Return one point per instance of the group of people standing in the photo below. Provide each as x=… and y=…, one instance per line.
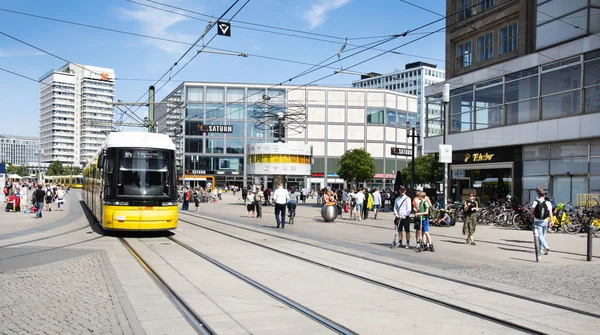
x=403, y=209
x=41, y=198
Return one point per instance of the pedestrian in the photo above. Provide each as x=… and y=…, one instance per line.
x=417, y=226
x=360, y=199
x=376, y=202
x=60, y=198
x=267, y=197
x=38, y=197
x=24, y=200
x=423, y=216
x=367, y=204
x=258, y=200
x=196, y=199
x=542, y=214
x=49, y=198
x=402, y=210
x=280, y=198
x=250, y=203
x=470, y=207
x=303, y=194
x=186, y=199
x=244, y=194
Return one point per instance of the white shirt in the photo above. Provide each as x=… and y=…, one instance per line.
x=281, y=196
x=376, y=198
x=360, y=198
x=402, y=206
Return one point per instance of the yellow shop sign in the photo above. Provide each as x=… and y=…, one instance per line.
x=479, y=157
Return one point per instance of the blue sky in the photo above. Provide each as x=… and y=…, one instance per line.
x=140, y=58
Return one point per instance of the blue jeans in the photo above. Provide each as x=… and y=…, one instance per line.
x=540, y=228
x=40, y=206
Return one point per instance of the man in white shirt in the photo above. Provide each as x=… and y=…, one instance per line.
x=402, y=210
x=376, y=201
x=360, y=198
x=280, y=198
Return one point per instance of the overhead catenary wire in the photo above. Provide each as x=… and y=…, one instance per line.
x=188, y=43
x=330, y=75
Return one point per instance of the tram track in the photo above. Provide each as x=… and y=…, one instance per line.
x=46, y=237
x=195, y=320
x=421, y=272
x=554, y=251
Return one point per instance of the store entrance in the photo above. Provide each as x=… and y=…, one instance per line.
x=491, y=182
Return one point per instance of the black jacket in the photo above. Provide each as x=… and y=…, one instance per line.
x=39, y=195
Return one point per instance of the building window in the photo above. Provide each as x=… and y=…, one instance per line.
x=561, y=88
x=592, y=82
x=375, y=116
x=484, y=47
x=508, y=39
x=468, y=8
x=463, y=55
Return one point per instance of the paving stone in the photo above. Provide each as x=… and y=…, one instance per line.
x=71, y=296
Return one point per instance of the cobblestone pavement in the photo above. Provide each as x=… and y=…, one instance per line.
x=577, y=281
x=74, y=296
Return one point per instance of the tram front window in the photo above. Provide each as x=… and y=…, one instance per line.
x=144, y=173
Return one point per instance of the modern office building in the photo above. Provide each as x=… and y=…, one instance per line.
x=528, y=118
x=338, y=119
x=412, y=80
x=19, y=150
x=76, y=111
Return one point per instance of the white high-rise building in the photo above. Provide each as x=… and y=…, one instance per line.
x=412, y=80
x=76, y=111
x=19, y=150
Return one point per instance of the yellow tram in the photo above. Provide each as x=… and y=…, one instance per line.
x=68, y=181
x=131, y=183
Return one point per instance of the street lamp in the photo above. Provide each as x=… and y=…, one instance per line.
x=445, y=101
x=413, y=133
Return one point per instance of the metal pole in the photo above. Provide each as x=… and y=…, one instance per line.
x=412, y=171
x=589, y=242
x=445, y=184
x=151, y=109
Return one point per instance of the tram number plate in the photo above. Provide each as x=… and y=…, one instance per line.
x=145, y=207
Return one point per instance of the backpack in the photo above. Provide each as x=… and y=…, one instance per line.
x=353, y=202
x=541, y=210
x=49, y=193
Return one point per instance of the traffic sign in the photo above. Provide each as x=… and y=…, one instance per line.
x=224, y=28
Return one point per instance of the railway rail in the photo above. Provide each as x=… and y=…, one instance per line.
x=433, y=275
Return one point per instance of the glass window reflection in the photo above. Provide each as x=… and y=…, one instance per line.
x=214, y=112
x=215, y=145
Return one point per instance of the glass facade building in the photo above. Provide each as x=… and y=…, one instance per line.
x=338, y=119
x=19, y=150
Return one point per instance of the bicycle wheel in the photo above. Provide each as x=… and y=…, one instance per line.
x=573, y=225
x=518, y=222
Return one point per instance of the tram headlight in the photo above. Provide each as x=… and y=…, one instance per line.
x=168, y=203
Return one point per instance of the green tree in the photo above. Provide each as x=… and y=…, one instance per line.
x=55, y=169
x=14, y=169
x=356, y=165
x=427, y=170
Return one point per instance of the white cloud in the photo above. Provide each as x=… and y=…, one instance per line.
x=158, y=23
x=317, y=13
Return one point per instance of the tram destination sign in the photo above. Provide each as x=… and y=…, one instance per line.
x=212, y=128
x=401, y=151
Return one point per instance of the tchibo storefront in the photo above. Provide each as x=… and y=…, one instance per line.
x=534, y=123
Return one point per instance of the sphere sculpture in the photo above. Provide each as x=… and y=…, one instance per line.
x=329, y=213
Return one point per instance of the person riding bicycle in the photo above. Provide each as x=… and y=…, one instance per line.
x=292, y=203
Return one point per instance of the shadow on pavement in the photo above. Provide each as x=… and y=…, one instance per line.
x=454, y=242
x=517, y=250
x=515, y=241
x=524, y=260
